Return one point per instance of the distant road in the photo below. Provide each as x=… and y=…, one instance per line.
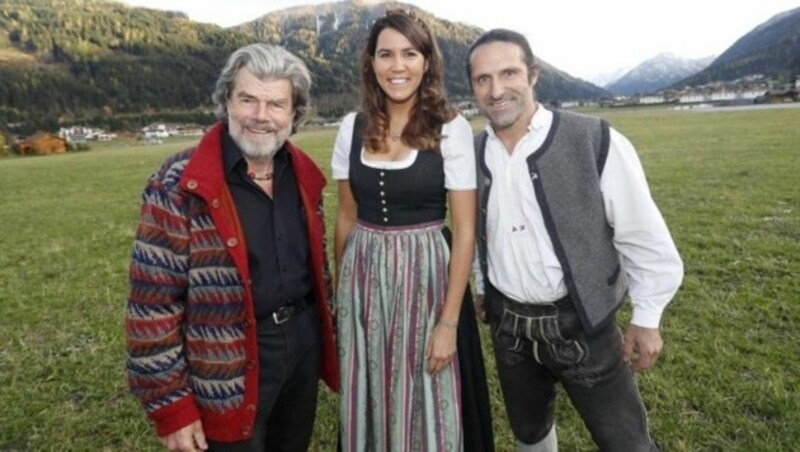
x=745, y=107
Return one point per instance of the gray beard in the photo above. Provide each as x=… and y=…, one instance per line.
x=260, y=150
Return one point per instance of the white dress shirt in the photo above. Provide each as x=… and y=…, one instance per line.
x=521, y=258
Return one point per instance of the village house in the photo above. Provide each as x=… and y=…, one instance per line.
x=752, y=93
x=82, y=134
x=158, y=130
x=190, y=130
x=166, y=130
x=652, y=99
x=722, y=95
x=467, y=108
x=692, y=97
x=779, y=96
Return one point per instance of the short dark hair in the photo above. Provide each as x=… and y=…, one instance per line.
x=511, y=37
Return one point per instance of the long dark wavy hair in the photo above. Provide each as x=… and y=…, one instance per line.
x=431, y=110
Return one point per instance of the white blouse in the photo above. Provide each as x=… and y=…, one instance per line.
x=457, y=147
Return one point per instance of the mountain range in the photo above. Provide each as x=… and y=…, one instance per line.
x=657, y=73
x=604, y=79
x=111, y=65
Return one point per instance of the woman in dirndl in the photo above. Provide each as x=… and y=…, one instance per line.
x=411, y=366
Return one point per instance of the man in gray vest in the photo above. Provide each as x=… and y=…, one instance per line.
x=566, y=229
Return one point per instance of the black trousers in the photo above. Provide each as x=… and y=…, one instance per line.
x=289, y=360
x=538, y=345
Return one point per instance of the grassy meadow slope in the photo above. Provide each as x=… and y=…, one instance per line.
x=729, y=378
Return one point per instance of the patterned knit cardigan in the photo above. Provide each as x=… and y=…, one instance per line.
x=191, y=339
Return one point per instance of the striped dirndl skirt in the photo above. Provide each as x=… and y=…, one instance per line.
x=392, y=283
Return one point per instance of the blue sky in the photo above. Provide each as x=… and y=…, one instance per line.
x=581, y=37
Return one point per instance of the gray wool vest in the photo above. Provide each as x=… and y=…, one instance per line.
x=565, y=173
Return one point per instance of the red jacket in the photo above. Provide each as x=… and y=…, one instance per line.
x=192, y=349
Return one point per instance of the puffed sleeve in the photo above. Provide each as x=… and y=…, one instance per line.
x=458, y=152
x=340, y=162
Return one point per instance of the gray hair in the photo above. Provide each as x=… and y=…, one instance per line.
x=265, y=62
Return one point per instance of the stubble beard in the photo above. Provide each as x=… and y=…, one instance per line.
x=508, y=118
x=505, y=119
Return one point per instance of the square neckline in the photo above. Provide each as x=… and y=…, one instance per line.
x=389, y=164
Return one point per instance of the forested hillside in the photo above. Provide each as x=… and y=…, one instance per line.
x=772, y=49
x=67, y=60
x=108, y=64
x=330, y=38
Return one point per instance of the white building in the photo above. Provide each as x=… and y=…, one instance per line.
x=651, y=99
x=692, y=97
x=80, y=134
x=163, y=130
x=156, y=130
x=722, y=95
x=752, y=93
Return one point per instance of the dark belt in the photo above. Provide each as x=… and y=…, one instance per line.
x=287, y=311
x=531, y=309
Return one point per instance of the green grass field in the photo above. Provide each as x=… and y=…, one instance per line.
x=729, y=378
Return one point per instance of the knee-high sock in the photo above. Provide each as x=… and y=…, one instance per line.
x=548, y=444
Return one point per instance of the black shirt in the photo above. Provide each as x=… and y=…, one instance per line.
x=274, y=230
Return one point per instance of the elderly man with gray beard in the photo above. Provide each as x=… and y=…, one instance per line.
x=228, y=324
